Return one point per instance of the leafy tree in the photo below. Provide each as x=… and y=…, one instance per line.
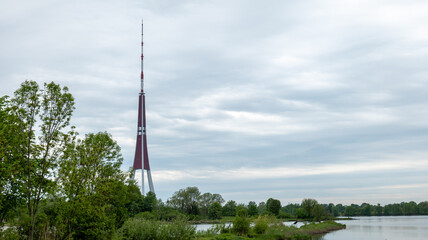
x=93, y=186
x=214, y=211
x=396, y=210
x=378, y=210
x=301, y=213
x=290, y=209
x=241, y=223
x=423, y=208
x=332, y=210
x=308, y=204
x=186, y=200
x=410, y=208
x=351, y=211
x=273, y=206
x=229, y=209
x=149, y=202
x=12, y=138
x=261, y=207
x=54, y=107
x=207, y=199
x=134, y=204
x=318, y=212
x=252, y=209
x=366, y=209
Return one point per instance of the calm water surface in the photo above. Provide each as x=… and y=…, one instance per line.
x=381, y=228
x=373, y=228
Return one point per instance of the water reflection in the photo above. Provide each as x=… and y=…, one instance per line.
x=374, y=228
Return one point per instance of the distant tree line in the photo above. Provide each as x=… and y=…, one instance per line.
x=197, y=206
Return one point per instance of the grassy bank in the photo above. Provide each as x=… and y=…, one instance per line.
x=274, y=230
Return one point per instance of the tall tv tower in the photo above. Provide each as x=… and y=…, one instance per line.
x=141, y=147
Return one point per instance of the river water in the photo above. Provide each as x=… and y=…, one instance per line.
x=374, y=228
x=381, y=228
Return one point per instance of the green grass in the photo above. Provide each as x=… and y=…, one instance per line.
x=275, y=231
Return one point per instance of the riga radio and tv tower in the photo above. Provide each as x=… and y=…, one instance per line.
x=141, y=155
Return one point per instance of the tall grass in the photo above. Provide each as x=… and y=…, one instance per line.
x=143, y=229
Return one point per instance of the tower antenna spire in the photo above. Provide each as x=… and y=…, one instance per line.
x=141, y=154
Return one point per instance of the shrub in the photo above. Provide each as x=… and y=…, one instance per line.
x=241, y=224
x=138, y=228
x=261, y=225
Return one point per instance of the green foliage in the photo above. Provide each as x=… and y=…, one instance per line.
x=308, y=205
x=229, y=209
x=228, y=236
x=91, y=180
x=300, y=236
x=149, y=202
x=10, y=234
x=206, y=200
x=186, y=200
x=252, y=209
x=318, y=212
x=260, y=225
x=12, y=138
x=54, y=107
x=137, y=228
x=241, y=224
x=290, y=209
x=283, y=215
x=301, y=213
x=214, y=211
x=261, y=207
x=273, y=206
x=351, y=211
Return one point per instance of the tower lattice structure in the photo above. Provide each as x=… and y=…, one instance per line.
x=141, y=159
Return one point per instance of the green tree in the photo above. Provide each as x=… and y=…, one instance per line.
x=252, y=209
x=410, y=208
x=261, y=207
x=12, y=138
x=301, y=213
x=214, y=211
x=241, y=223
x=308, y=204
x=423, y=208
x=93, y=187
x=291, y=209
x=54, y=107
x=332, y=210
x=186, y=200
x=229, y=209
x=318, y=212
x=206, y=200
x=351, y=211
x=149, y=202
x=273, y=206
x=366, y=209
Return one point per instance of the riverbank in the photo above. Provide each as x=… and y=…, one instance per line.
x=277, y=231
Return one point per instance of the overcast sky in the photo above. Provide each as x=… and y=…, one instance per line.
x=249, y=99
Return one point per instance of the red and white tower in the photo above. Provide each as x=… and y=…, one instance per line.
x=141, y=147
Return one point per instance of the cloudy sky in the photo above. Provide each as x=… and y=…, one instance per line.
x=249, y=99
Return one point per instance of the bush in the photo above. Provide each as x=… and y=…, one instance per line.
x=241, y=224
x=284, y=215
x=261, y=225
x=138, y=228
x=146, y=215
x=9, y=234
x=214, y=211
